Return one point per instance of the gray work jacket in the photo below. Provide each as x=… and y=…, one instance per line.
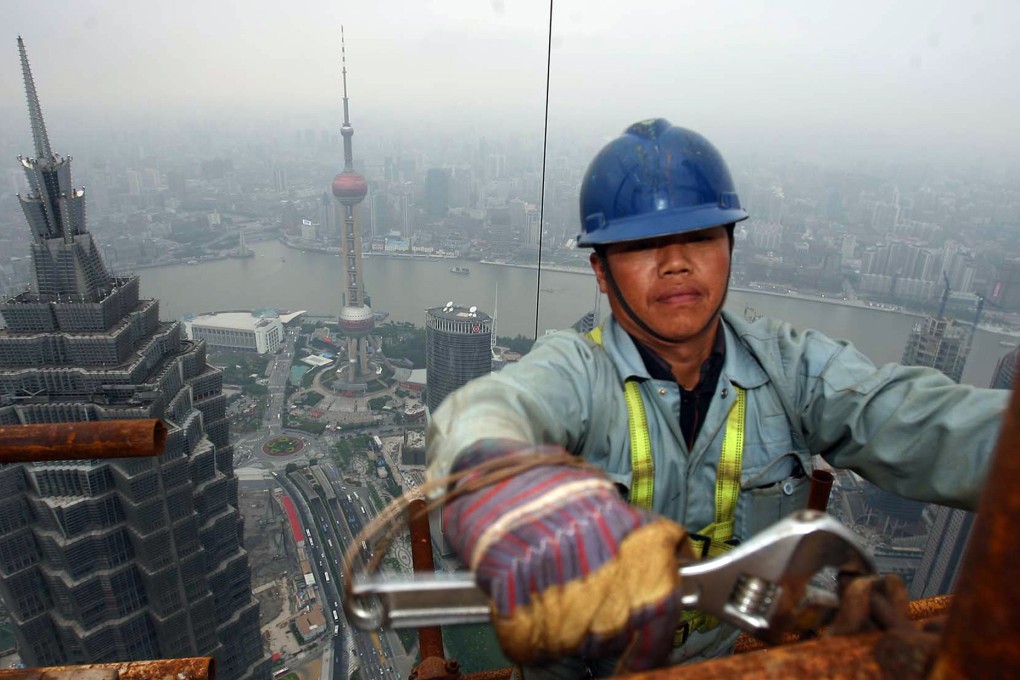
x=909, y=430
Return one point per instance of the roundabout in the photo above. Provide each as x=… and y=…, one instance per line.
x=284, y=445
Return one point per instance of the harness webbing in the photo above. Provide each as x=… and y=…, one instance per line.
x=642, y=466
x=715, y=539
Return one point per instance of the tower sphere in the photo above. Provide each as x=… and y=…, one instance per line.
x=349, y=187
x=356, y=320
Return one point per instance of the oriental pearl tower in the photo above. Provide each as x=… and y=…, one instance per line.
x=356, y=320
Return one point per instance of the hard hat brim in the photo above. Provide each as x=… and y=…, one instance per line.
x=662, y=223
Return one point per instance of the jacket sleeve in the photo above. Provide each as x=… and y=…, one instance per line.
x=908, y=429
x=546, y=398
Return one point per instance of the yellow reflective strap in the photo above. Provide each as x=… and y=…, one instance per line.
x=642, y=467
x=727, y=476
x=727, y=489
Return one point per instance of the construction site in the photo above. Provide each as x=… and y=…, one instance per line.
x=287, y=611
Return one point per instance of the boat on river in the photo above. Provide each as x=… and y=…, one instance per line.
x=460, y=270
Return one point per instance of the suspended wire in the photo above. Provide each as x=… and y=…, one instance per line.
x=545, y=150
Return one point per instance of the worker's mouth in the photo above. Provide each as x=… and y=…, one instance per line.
x=684, y=296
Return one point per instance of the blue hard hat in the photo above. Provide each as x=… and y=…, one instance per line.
x=654, y=180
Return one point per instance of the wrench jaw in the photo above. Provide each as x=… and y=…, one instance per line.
x=801, y=606
x=762, y=586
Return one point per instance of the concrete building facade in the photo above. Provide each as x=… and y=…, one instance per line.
x=242, y=331
x=458, y=348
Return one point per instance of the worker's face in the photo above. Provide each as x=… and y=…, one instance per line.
x=675, y=284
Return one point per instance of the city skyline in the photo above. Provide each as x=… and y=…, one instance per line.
x=807, y=78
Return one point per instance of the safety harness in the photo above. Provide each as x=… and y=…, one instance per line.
x=716, y=538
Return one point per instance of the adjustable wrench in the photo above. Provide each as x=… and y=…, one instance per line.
x=759, y=586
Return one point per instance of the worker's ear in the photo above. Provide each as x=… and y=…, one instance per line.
x=598, y=265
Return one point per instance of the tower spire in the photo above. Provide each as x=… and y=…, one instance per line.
x=347, y=130
x=42, y=141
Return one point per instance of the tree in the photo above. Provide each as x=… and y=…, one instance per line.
x=377, y=403
x=520, y=343
x=290, y=468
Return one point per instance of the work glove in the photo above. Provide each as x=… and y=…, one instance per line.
x=571, y=569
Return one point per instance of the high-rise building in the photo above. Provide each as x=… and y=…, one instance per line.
x=280, y=185
x=458, y=348
x=330, y=230
x=943, y=553
x=127, y=559
x=1005, y=289
x=356, y=317
x=437, y=192
x=1005, y=370
x=941, y=343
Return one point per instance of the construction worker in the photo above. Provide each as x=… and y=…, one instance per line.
x=696, y=417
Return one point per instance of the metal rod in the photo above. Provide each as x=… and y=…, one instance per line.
x=192, y=668
x=821, y=485
x=981, y=635
x=430, y=638
x=82, y=441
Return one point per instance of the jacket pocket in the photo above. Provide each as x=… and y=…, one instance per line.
x=772, y=494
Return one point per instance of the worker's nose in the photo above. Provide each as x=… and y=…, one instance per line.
x=674, y=258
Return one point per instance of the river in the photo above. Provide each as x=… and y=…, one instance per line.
x=290, y=279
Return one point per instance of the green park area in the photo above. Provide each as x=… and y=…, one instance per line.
x=283, y=446
x=345, y=450
x=239, y=368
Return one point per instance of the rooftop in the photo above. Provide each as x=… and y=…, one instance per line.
x=233, y=320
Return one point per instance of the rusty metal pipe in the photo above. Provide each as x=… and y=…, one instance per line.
x=845, y=656
x=82, y=441
x=193, y=668
x=821, y=486
x=430, y=639
x=918, y=610
x=981, y=635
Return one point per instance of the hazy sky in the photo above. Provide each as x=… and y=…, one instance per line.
x=906, y=76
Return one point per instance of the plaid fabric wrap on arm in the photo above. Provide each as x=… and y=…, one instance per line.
x=571, y=568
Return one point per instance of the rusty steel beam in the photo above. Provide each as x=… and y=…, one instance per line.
x=82, y=441
x=839, y=658
x=498, y=674
x=919, y=610
x=430, y=639
x=193, y=668
x=983, y=629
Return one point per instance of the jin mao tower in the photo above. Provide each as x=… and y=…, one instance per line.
x=114, y=559
x=356, y=319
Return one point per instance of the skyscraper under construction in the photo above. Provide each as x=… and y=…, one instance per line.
x=939, y=342
x=114, y=560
